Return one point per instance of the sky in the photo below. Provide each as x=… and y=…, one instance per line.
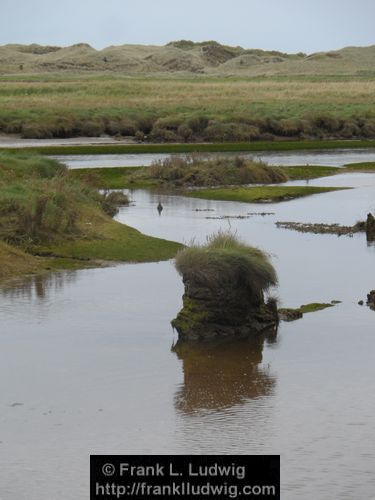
x=285, y=25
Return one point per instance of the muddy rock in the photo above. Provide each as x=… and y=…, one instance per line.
x=290, y=314
x=370, y=227
x=371, y=299
x=323, y=228
x=213, y=314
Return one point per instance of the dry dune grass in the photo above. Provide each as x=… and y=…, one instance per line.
x=156, y=93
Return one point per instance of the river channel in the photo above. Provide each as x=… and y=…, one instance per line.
x=336, y=158
x=87, y=366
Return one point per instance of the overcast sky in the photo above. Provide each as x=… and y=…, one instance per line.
x=286, y=25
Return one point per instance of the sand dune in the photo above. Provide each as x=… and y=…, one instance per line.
x=207, y=58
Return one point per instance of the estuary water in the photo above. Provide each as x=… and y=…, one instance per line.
x=337, y=158
x=87, y=363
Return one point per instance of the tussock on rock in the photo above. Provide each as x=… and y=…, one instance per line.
x=225, y=281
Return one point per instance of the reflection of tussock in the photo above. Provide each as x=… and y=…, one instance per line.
x=221, y=375
x=39, y=286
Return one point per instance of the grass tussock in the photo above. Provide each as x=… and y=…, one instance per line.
x=225, y=262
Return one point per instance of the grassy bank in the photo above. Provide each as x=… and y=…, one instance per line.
x=47, y=213
x=259, y=194
x=306, y=172
x=113, y=177
x=15, y=262
x=360, y=167
x=213, y=147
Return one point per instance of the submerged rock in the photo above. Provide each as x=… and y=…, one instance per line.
x=224, y=283
x=288, y=314
x=370, y=227
x=323, y=228
x=371, y=300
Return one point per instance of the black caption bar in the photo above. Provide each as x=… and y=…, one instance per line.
x=184, y=477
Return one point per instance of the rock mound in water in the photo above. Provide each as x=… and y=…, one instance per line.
x=370, y=227
x=225, y=281
x=371, y=300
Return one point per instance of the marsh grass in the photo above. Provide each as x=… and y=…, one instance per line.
x=187, y=109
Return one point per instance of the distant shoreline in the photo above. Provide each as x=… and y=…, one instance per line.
x=108, y=145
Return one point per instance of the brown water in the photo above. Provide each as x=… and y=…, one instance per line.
x=87, y=366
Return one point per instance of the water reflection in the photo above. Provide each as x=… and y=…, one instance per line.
x=223, y=374
x=40, y=286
